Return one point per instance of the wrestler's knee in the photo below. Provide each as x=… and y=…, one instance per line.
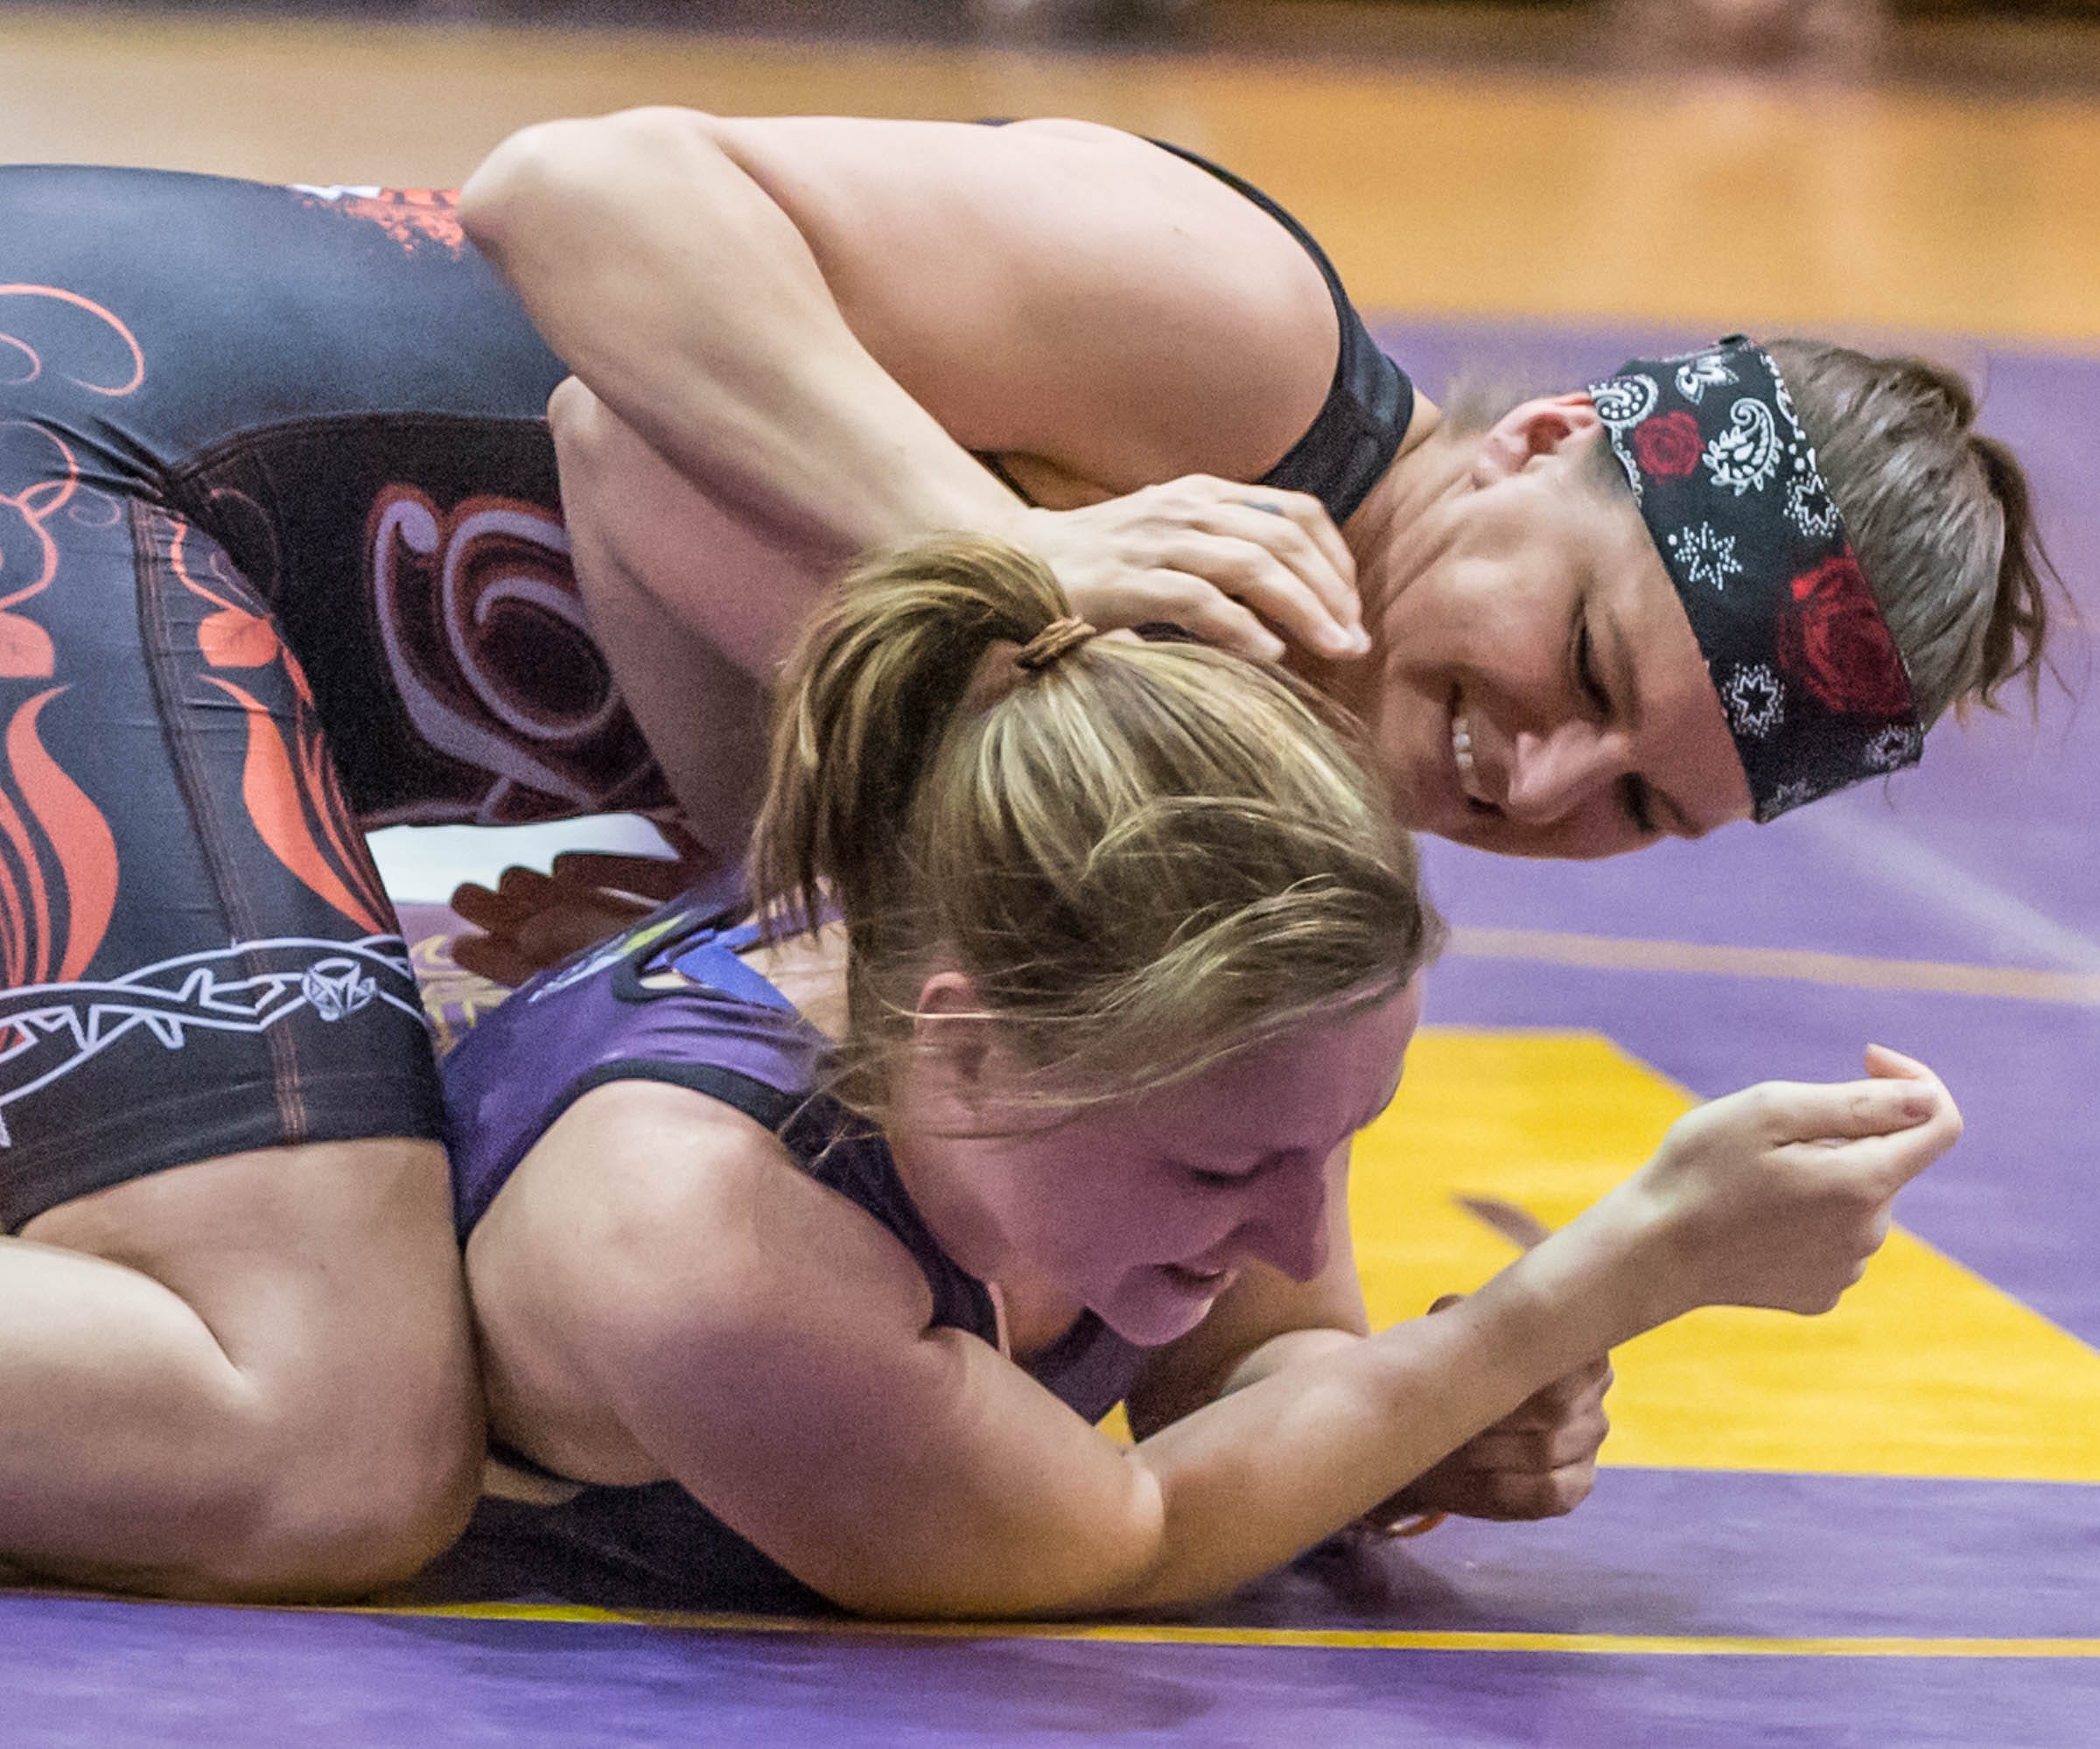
x=337, y=1506
x=347, y=1451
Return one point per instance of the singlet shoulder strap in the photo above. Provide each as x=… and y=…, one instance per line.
x=770, y=1108
x=1370, y=402
x=1361, y=425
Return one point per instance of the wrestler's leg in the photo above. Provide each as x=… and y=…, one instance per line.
x=248, y=1377
x=235, y=1359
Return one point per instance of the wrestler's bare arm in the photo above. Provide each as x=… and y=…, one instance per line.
x=1538, y=1461
x=785, y=1371
x=818, y=317
x=813, y=322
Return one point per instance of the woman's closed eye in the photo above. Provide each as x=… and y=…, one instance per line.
x=1586, y=679
x=1632, y=790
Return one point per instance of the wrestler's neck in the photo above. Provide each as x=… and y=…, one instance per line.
x=809, y=969
x=1396, y=535
x=948, y=1167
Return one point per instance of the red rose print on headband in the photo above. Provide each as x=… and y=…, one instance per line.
x=1832, y=637
x=1668, y=445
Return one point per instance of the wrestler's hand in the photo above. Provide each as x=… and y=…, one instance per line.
x=1539, y=1461
x=1778, y=1196
x=1250, y=569
x=530, y=920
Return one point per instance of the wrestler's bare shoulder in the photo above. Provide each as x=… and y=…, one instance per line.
x=1060, y=289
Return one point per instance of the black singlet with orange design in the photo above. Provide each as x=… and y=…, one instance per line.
x=280, y=557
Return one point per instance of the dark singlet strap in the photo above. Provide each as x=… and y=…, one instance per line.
x=765, y=1106
x=1371, y=401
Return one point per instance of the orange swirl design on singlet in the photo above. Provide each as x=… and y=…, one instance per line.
x=26, y=652
x=108, y=318
x=410, y=216
x=231, y=636
x=71, y=832
x=79, y=836
x=57, y=856
x=288, y=787
x=271, y=790
x=25, y=648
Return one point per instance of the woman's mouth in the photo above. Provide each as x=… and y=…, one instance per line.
x=1461, y=758
x=1197, y=1284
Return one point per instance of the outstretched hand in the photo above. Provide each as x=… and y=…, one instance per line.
x=1777, y=1196
x=1251, y=568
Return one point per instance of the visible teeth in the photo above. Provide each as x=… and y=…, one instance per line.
x=1461, y=752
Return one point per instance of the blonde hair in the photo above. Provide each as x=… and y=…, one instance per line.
x=1146, y=857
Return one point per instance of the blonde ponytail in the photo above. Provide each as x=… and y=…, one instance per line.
x=1144, y=856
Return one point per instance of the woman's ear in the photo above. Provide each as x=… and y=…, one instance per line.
x=954, y=1042
x=1536, y=428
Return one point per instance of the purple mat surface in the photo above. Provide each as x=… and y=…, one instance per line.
x=95, y=1674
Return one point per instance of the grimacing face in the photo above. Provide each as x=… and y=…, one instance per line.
x=1147, y=1209
x=1539, y=690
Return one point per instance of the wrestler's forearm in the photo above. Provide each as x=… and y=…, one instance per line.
x=668, y=280
x=1250, y=1480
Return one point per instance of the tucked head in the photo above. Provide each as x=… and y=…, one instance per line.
x=1712, y=588
x=1129, y=926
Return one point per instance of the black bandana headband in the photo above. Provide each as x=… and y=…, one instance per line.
x=1815, y=691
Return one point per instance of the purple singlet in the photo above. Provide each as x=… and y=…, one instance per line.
x=727, y=1033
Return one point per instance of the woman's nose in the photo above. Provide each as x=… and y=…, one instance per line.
x=1289, y=1231
x=1553, y=775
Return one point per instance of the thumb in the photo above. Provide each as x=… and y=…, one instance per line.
x=1889, y=1065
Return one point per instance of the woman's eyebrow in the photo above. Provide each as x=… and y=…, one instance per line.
x=1625, y=676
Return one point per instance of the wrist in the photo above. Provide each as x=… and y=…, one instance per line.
x=1601, y=1280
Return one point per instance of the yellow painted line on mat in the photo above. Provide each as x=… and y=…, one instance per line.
x=1849, y=971
x=1341, y=1639
x=1926, y=1370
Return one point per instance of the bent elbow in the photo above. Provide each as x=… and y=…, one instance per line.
x=510, y=178
x=551, y=164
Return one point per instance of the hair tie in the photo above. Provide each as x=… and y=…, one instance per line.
x=1057, y=639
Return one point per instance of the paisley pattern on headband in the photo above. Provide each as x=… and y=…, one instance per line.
x=1808, y=674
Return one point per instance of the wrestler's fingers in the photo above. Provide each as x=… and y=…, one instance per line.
x=1295, y=529
x=1311, y=516
x=578, y=921
x=1253, y=574
x=529, y=885
x=491, y=957
x=1295, y=525
x=1535, y=1452
x=1568, y=1392
x=1553, y=1493
x=1785, y=1112
x=1894, y=1066
x=1877, y=1166
x=483, y=908
x=656, y=877
x=1200, y=609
